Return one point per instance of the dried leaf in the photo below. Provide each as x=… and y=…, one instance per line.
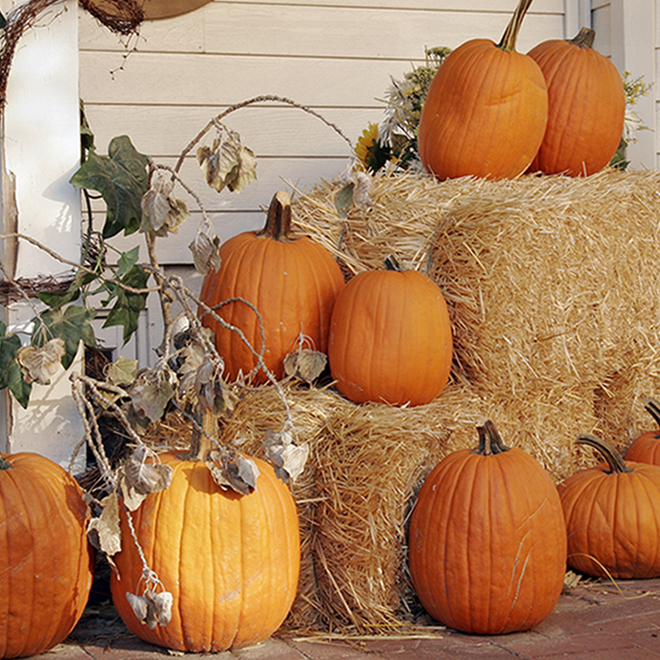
x=210, y=388
x=206, y=252
x=284, y=455
x=228, y=163
x=362, y=190
x=161, y=213
x=153, y=609
x=152, y=391
x=104, y=532
x=122, y=371
x=141, y=476
x=344, y=199
x=305, y=364
x=230, y=469
x=41, y=364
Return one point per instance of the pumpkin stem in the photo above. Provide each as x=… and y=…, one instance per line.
x=653, y=408
x=605, y=449
x=490, y=441
x=200, y=444
x=278, y=221
x=510, y=36
x=391, y=263
x=584, y=38
x=4, y=464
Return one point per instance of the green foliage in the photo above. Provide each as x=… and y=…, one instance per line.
x=11, y=375
x=128, y=304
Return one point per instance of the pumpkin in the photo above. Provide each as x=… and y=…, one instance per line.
x=612, y=516
x=291, y=281
x=586, y=106
x=390, y=337
x=486, y=542
x=646, y=447
x=486, y=110
x=46, y=564
x=231, y=561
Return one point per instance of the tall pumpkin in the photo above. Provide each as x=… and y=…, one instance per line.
x=586, y=106
x=390, y=338
x=646, y=447
x=292, y=281
x=46, y=564
x=230, y=561
x=487, y=543
x=612, y=516
x=486, y=109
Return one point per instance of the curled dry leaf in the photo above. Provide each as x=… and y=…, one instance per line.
x=284, y=455
x=40, y=364
x=152, y=391
x=122, y=371
x=227, y=163
x=104, y=532
x=153, y=609
x=206, y=252
x=143, y=474
x=210, y=389
x=230, y=469
x=161, y=213
x=305, y=364
x=362, y=190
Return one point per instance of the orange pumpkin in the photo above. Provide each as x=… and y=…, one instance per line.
x=390, y=338
x=46, y=564
x=292, y=281
x=586, y=106
x=486, y=110
x=612, y=516
x=230, y=561
x=646, y=447
x=487, y=542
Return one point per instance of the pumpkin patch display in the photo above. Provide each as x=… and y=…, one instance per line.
x=612, y=516
x=390, y=338
x=646, y=447
x=586, y=106
x=230, y=561
x=487, y=542
x=274, y=287
x=486, y=110
x=46, y=564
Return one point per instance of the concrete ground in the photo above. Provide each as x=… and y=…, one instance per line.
x=595, y=620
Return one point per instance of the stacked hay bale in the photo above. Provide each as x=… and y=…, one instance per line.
x=552, y=288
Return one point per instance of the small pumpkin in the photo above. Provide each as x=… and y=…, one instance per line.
x=612, y=516
x=231, y=561
x=487, y=542
x=46, y=563
x=586, y=106
x=646, y=447
x=486, y=110
x=390, y=337
x=291, y=281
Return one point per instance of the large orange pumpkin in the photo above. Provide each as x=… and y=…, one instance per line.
x=487, y=543
x=292, y=281
x=612, y=516
x=46, y=564
x=390, y=338
x=586, y=106
x=486, y=110
x=646, y=447
x=230, y=561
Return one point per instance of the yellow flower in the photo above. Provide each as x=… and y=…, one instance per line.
x=366, y=143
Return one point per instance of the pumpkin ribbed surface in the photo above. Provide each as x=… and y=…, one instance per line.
x=487, y=543
x=230, y=561
x=586, y=107
x=613, y=520
x=646, y=447
x=292, y=282
x=46, y=564
x=390, y=338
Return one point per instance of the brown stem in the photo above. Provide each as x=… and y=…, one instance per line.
x=584, y=38
x=200, y=445
x=653, y=408
x=4, y=464
x=278, y=222
x=490, y=441
x=605, y=449
x=510, y=36
x=391, y=263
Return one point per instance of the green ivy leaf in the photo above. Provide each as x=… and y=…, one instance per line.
x=72, y=325
x=127, y=261
x=122, y=179
x=11, y=375
x=128, y=306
